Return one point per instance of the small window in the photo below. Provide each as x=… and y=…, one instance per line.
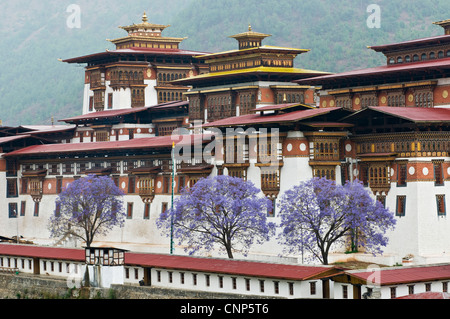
x=438, y=174
x=440, y=204
x=12, y=207
x=415, y=58
x=411, y=289
x=36, y=209
x=393, y=292
x=147, y=211
x=423, y=57
x=432, y=55
x=440, y=54
x=129, y=210
x=344, y=292
x=312, y=288
x=261, y=285
x=247, y=284
x=401, y=174
x=407, y=58
x=131, y=184
x=401, y=205
x=276, y=287
x=291, y=288
x=182, y=278
x=399, y=59
x=11, y=188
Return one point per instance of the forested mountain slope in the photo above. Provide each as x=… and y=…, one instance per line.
x=35, y=86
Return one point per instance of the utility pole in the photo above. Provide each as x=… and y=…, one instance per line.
x=173, y=181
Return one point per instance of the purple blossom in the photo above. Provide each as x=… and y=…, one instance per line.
x=318, y=214
x=88, y=207
x=222, y=210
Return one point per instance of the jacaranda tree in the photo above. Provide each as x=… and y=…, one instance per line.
x=222, y=210
x=318, y=214
x=88, y=207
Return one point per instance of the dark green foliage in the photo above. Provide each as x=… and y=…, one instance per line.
x=34, y=85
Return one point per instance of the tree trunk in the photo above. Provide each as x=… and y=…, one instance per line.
x=87, y=280
x=229, y=251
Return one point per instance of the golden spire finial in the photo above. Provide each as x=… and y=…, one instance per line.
x=144, y=18
x=249, y=27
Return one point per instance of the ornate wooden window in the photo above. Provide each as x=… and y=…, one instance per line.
x=240, y=172
x=137, y=97
x=344, y=102
x=268, y=151
x=11, y=187
x=379, y=179
x=423, y=99
x=195, y=109
x=236, y=151
x=270, y=181
x=126, y=77
x=99, y=100
x=68, y=168
x=247, y=103
x=396, y=99
x=328, y=172
x=326, y=149
x=368, y=100
x=364, y=174
x=102, y=136
x=97, y=79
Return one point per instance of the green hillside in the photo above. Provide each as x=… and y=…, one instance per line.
x=35, y=86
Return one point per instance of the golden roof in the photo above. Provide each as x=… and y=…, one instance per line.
x=250, y=34
x=145, y=25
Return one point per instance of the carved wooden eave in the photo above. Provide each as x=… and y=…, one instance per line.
x=98, y=171
x=36, y=182
x=204, y=170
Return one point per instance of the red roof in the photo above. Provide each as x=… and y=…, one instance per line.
x=233, y=267
x=137, y=143
x=427, y=295
x=405, y=275
x=121, y=112
x=278, y=107
x=7, y=139
x=393, y=69
x=441, y=39
x=42, y=252
x=104, y=114
x=226, y=266
x=275, y=118
x=144, y=51
x=416, y=114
